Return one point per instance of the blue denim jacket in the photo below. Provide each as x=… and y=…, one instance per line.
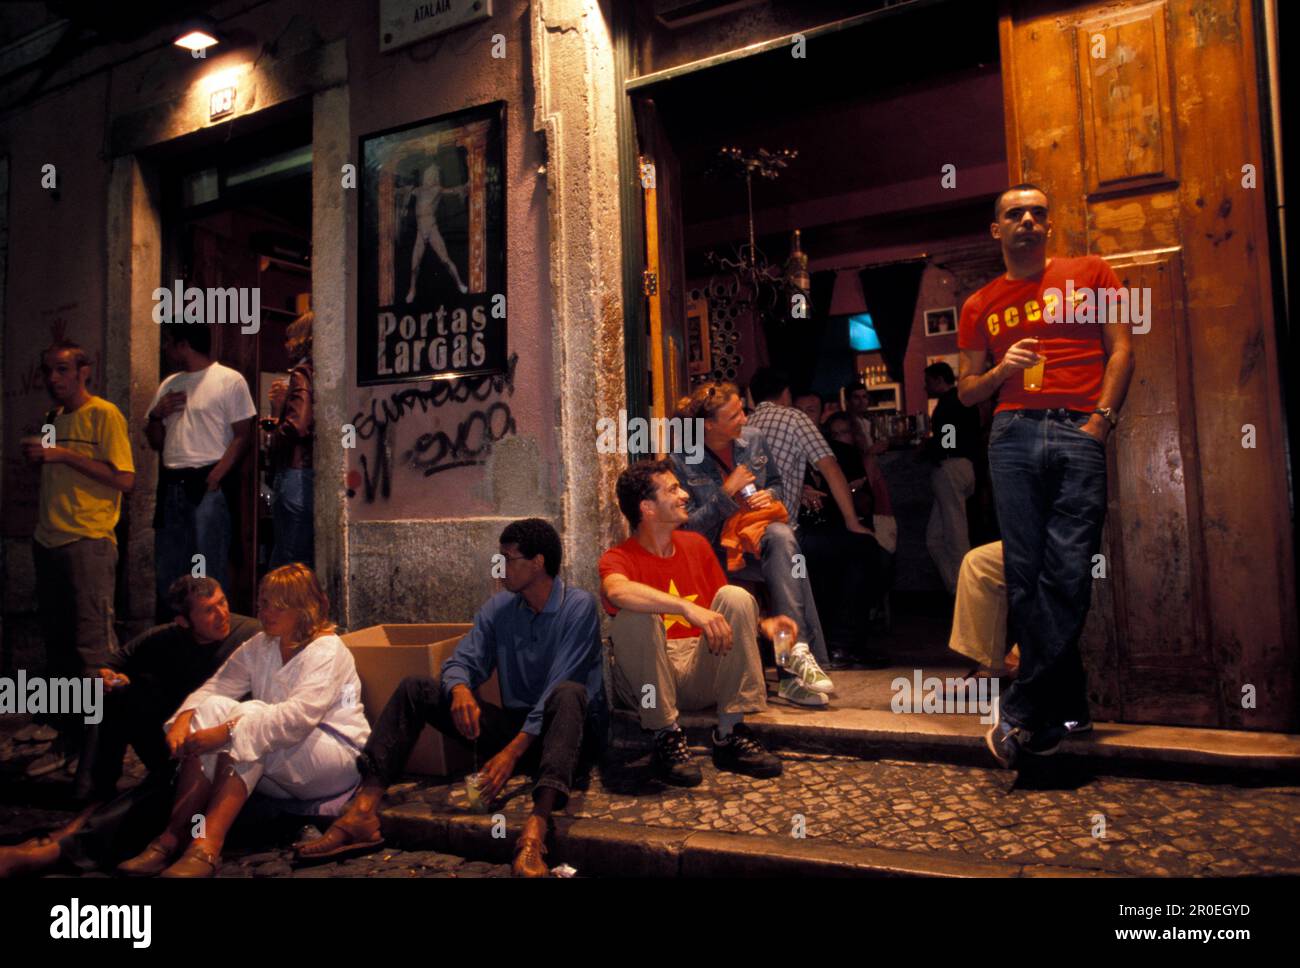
x=708, y=507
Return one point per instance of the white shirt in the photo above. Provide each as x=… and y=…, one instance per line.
x=215, y=397
x=865, y=426
x=318, y=688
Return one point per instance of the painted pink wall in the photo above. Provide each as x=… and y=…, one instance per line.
x=388, y=90
x=57, y=257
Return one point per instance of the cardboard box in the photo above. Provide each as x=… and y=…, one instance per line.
x=385, y=655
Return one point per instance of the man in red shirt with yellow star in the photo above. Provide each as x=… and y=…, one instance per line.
x=671, y=652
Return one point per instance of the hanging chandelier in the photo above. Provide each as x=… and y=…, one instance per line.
x=746, y=280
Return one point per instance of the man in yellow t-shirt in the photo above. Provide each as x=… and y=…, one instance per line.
x=85, y=470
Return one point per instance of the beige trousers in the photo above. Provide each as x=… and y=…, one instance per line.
x=946, y=535
x=659, y=677
x=979, y=618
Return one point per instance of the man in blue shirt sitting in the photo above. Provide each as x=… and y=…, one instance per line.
x=543, y=639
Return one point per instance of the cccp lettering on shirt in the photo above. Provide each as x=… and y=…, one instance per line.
x=1006, y=311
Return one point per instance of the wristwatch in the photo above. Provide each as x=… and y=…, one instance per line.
x=1109, y=414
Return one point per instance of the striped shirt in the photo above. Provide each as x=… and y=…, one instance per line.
x=794, y=442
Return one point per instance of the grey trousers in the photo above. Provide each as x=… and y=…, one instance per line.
x=660, y=677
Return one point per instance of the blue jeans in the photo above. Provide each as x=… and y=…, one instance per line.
x=292, y=511
x=791, y=596
x=185, y=530
x=1049, y=484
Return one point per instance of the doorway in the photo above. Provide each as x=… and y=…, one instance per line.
x=845, y=151
x=1166, y=640
x=237, y=213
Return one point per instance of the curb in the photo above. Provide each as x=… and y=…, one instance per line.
x=605, y=849
x=1160, y=752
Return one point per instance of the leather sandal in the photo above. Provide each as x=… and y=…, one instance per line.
x=197, y=861
x=345, y=838
x=150, y=862
x=528, y=859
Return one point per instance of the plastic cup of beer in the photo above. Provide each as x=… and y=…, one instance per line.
x=1034, y=375
x=474, y=793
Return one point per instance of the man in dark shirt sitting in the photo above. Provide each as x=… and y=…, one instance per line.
x=953, y=445
x=144, y=682
x=148, y=678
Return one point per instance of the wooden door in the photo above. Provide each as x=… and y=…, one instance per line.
x=665, y=267
x=1140, y=120
x=220, y=262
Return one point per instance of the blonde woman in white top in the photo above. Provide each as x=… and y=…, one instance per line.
x=297, y=737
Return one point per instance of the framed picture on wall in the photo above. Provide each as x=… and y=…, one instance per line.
x=432, y=249
x=941, y=322
x=698, y=355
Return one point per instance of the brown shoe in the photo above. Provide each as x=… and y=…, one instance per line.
x=349, y=836
x=530, y=848
x=150, y=862
x=197, y=861
x=31, y=856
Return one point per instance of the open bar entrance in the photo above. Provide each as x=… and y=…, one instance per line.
x=874, y=159
x=237, y=213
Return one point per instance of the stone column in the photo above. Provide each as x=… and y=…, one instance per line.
x=331, y=281
x=131, y=348
x=574, y=110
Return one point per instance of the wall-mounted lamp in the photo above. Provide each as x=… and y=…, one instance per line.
x=197, y=35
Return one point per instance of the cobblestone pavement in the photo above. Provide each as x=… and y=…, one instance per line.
x=1153, y=828
x=1146, y=827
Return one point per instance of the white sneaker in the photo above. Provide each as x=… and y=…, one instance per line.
x=805, y=668
x=791, y=690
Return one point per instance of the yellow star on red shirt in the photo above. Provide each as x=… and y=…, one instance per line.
x=671, y=620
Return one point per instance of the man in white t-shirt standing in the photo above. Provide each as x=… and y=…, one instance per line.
x=201, y=419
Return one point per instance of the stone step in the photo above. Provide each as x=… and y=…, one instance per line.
x=1165, y=752
x=598, y=848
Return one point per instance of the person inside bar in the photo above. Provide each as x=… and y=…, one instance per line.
x=953, y=447
x=290, y=452
x=542, y=636
x=851, y=573
x=296, y=738
x=201, y=423
x=841, y=552
x=739, y=476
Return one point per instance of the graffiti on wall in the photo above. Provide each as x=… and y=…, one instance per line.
x=467, y=444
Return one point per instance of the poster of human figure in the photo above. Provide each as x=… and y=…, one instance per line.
x=432, y=271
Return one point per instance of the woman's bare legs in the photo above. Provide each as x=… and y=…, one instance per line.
x=192, y=790
x=227, y=797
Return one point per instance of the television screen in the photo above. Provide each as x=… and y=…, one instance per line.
x=862, y=333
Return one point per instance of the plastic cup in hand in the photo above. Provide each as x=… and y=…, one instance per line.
x=474, y=793
x=782, y=645
x=1034, y=375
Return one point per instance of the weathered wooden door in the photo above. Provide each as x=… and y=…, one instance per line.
x=665, y=268
x=1141, y=120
